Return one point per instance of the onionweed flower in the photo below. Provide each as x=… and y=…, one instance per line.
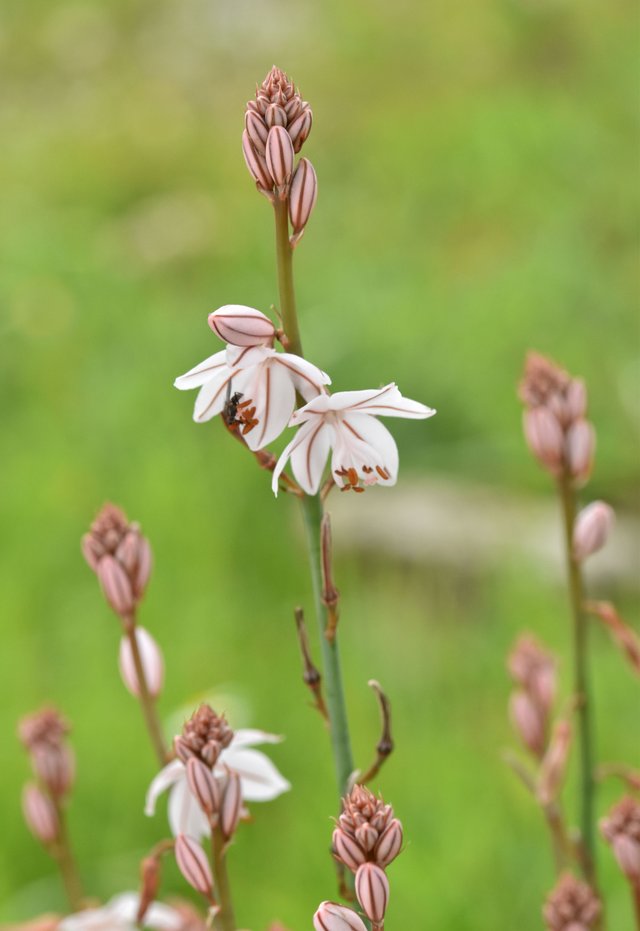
x=364, y=452
x=43, y=734
x=120, y=914
x=120, y=556
x=366, y=832
x=621, y=829
x=571, y=906
x=333, y=917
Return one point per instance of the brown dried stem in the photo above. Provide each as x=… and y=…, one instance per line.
x=624, y=636
x=385, y=745
x=330, y=594
x=311, y=675
x=65, y=859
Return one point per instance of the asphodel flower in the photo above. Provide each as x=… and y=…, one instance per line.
x=120, y=914
x=364, y=452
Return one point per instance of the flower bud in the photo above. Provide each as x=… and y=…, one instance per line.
x=40, y=814
x=576, y=400
x=151, y=659
x=275, y=116
x=193, y=864
x=242, y=326
x=333, y=917
x=115, y=585
x=621, y=828
x=592, y=529
x=581, y=442
x=300, y=128
x=528, y=721
x=256, y=164
x=372, y=890
x=554, y=763
x=279, y=154
x=366, y=835
x=231, y=805
x=256, y=130
x=149, y=885
x=571, y=906
x=203, y=785
x=303, y=194
x=54, y=767
x=544, y=437
x=389, y=844
x=347, y=850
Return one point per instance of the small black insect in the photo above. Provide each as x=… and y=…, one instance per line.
x=230, y=409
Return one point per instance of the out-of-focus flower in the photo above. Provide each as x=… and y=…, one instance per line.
x=591, y=529
x=621, y=829
x=534, y=668
x=364, y=452
x=40, y=814
x=554, y=763
x=43, y=735
x=333, y=917
x=120, y=556
x=571, y=906
x=263, y=383
x=226, y=751
x=152, y=663
x=119, y=914
x=367, y=831
x=193, y=864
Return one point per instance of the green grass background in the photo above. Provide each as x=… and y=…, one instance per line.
x=478, y=196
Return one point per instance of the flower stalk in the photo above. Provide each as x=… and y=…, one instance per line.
x=224, y=919
x=147, y=702
x=66, y=861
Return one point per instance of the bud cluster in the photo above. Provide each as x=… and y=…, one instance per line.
x=205, y=735
x=277, y=123
x=533, y=669
x=621, y=829
x=571, y=906
x=121, y=558
x=555, y=424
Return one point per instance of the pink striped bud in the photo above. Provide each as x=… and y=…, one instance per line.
x=182, y=749
x=576, y=400
x=626, y=850
x=621, y=828
x=203, y=785
x=55, y=767
x=554, y=763
x=544, y=437
x=256, y=130
x=231, y=805
x=279, y=153
x=300, y=128
x=303, y=195
x=256, y=164
x=152, y=663
x=149, y=885
x=592, y=528
x=275, y=116
x=242, y=326
x=372, y=890
x=40, y=814
x=581, y=442
x=389, y=844
x=366, y=835
x=115, y=584
x=347, y=850
x=528, y=721
x=333, y=917
x=193, y=864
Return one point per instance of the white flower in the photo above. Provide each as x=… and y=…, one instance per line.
x=364, y=452
x=119, y=914
x=262, y=381
x=260, y=781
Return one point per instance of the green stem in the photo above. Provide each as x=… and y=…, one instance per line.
x=147, y=702
x=225, y=919
x=66, y=862
x=581, y=686
x=312, y=509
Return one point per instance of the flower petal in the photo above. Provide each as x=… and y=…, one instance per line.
x=307, y=377
x=365, y=444
x=274, y=397
x=247, y=737
x=212, y=396
x=385, y=402
x=260, y=780
x=308, y=451
x=184, y=812
x=168, y=776
x=244, y=357
x=202, y=373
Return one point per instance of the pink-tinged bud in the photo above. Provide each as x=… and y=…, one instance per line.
x=54, y=767
x=366, y=836
x=152, y=663
x=149, y=885
x=275, y=116
x=203, y=785
x=534, y=668
x=528, y=721
x=40, y=814
x=92, y=551
x=621, y=828
x=347, y=850
x=242, y=326
x=256, y=164
x=571, y=906
x=389, y=844
x=554, y=763
x=576, y=400
x=627, y=852
x=279, y=153
x=115, y=585
x=544, y=437
x=333, y=917
x=193, y=864
x=182, y=749
x=300, y=128
x=581, y=443
x=592, y=528
x=140, y=577
x=256, y=130
x=231, y=805
x=303, y=194
x=372, y=890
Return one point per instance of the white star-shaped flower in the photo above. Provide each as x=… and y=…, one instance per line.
x=364, y=452
x=119, y=914
x=260, y=781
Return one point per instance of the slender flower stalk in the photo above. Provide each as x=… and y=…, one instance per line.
x=225, y=919
x=146, y=699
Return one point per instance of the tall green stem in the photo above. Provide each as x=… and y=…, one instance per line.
x=225, y=919
x=581, y=685
x=312, y=510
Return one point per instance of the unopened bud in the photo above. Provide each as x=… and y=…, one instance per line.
x=366, y=835
x=333, y=917
x=40, y=814
x=581, y=442
x=571, y=906
x=182, y=749
x=279, y=154
x=544, y=437
x=389, y=844
x=576, y=400
x=554, y=763
x=231, y=804
x=275, y=116
x=256, y=164
x=203, y=785
x=528, y=721
x=372, y=890
x=151, y=659
x=347, y=850
x=115, y=585
x=300, y=128
x=256, y=130
x=621, y=828
x=242, y=326
x=193, y=864
x=55, y=767
x=303, y=194
x=592, y=528
x=149, y=885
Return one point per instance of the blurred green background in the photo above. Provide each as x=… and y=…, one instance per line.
x=478, y=182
